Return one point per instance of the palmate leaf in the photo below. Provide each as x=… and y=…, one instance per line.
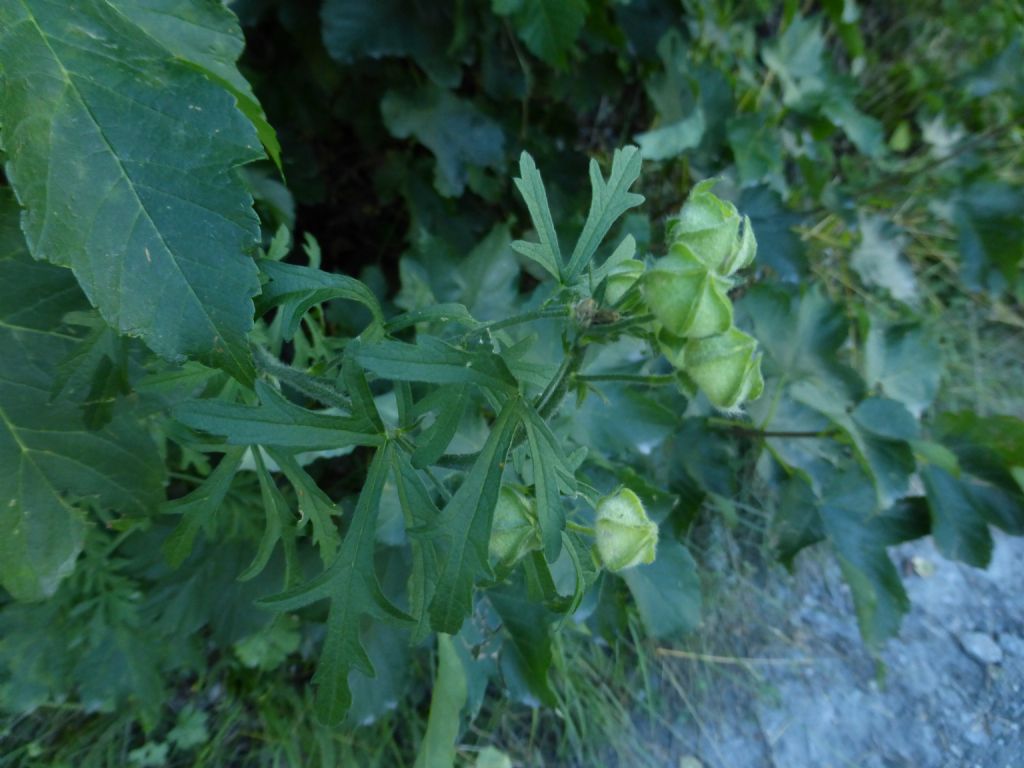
x=198, y=506
x=296, y=289
x=531, y=186
x=48, y=458
x=420, y=514
x=551, y=471
x=463, y=530
x=433, y=361
x=124, y=154
x=610, y=199
x=350, y=583
x=276, y=422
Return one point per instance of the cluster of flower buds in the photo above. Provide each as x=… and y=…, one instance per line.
x=687, y=291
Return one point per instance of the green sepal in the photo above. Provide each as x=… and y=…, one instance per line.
x=727, y=368
x=686, y=296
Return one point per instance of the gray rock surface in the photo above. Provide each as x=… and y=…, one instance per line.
x=951, y=694
x=981, y=647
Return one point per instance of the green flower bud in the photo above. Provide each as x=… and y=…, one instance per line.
x=673, y=348
x=726, y=367
x=686, y=297
x=514, y=531
x=621, y=279
x=710, y=227
x=626, y=537
x=746, y=250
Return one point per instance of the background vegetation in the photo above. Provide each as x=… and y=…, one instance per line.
x=879, y=153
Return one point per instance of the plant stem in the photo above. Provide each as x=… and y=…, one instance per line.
x=606, y=329
x=585, y=530
x=312, y=386
x=544, y=313
x=653, y=380
x=741, y=430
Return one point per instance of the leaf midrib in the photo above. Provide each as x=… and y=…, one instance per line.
x=131, y=181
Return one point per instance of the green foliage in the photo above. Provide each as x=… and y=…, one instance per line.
x=149, y=213
x=224, y=463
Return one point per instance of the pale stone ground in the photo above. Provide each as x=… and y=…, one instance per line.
x=953, y=694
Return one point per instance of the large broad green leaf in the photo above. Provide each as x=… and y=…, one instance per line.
x=463, y=530
x=904, y=362
x=859, y=537
x=548, y=27
x=352, y=587
x=667, y=592
x=779, y=247
x=528, y=623
x=991, y=235
x=879, y=431
x=809, y=83
x=800, y=334
x=668, y=141
x=757, y=148
x=449, y=696
x=459, y=134
x=124, y=156
x=422, y=30
x=879, y=261
x=990, y=452
x=49, y=460
x=205, y=35
x=958, y=522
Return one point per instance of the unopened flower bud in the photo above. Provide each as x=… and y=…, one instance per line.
x=626, y=537
x=514, y=531
x=621, y=279
x=710, y=227
x=686, y=297
x=743, y=255
x=727, y=368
